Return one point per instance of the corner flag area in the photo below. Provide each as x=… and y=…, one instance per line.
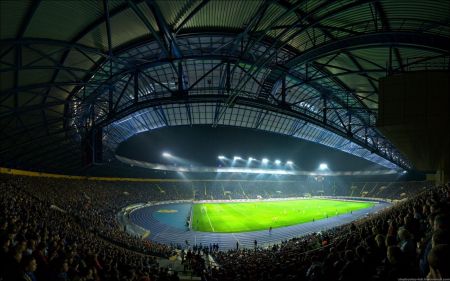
x=253, y=216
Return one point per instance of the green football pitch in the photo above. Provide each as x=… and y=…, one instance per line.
x=252, y=216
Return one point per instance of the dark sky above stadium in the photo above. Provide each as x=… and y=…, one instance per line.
x=201, y=145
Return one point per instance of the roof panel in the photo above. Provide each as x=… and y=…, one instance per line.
x=270, y=17
x=12, y=14
x=97, y=38
x=58, y=94
x=28, y=77
x=6, y=80
x=27, y=99
x=41, y=55
x=126, y=26
x=66, y=18
x=77, y=59
x=173, y=9
x=437, y=10
x=361, y=12
x=148, y=15
x=308, y=39
x=224, y=14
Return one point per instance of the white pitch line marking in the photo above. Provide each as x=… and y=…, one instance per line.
x=206, y=211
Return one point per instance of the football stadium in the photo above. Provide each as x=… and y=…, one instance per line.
x=220, y=140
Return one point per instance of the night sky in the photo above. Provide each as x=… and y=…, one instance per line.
x=200, y=145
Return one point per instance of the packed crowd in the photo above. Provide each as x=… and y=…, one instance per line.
x=408, y=240
x=64, y=229
x=50, y=235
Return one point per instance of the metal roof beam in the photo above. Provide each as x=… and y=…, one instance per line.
x=48, y=57
x=205, y=75
x=251, y=102
x=380, y=39
x=282, y=69
x=191, y=14
x=122, y=93
x=363, y=72
x=26, y=109
x=53, y=42
x=149, y=26
x=351, y=57
x=250, y=27
x=157, y=82
x=325, y=27
x=44, y=85
x=27, y=18
x=108, y=25
x=278, y=44
x=387, y=27
x=69, y=69
x=164, y=28
x=18, y=56
x=444, y=57
x=359, y=67
x=327, y=33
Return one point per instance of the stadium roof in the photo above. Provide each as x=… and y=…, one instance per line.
x=308, y=69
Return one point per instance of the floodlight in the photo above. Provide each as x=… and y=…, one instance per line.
x=289, y=162
x=254, y=171
x=237, y=158
x=250, y=159
x=221, y=157
x=277, y=162
x=323, y=166
x=166, y=154
x=265, y=160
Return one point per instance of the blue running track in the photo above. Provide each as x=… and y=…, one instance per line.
x=169, y=227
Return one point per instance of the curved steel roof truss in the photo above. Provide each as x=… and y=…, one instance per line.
x=300, y=68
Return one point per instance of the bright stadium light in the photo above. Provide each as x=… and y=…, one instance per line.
x=167, y=154
x=237, y=158
x=250, y=159
x=254, y=171
x=265, y=160
x=277, y=162
x=290, y=163
x=221, y=157
x=323, y=166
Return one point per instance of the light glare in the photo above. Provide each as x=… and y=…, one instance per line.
x=277, y=162
x=265, y=161
x=166, y=154
x=254, y=171
x=323, y=166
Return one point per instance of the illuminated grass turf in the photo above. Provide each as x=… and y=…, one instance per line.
x=252, y=216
